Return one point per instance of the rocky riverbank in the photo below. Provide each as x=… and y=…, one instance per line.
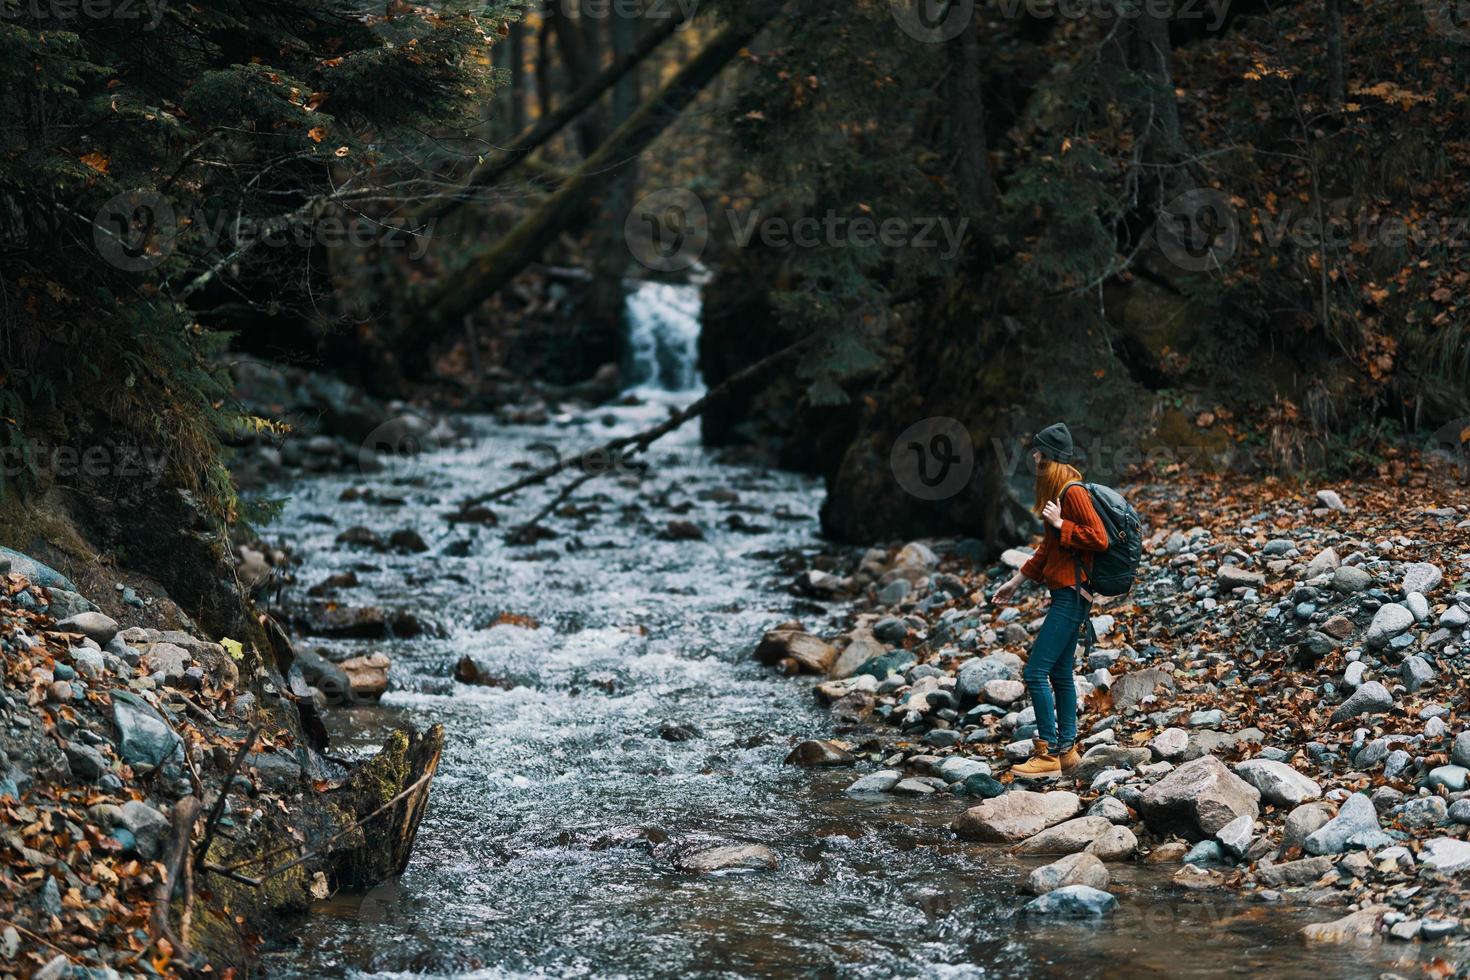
x=164, y=803
x=1278, y=708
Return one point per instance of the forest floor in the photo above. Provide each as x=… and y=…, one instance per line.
x=1279, y=706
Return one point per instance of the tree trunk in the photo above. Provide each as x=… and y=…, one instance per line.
x=491, y=268
x=516, y=97
x=543, y=69
x=977, y=189
x=574, y=59
x=1155, y=57
x=552, y=123
x=1336, y=68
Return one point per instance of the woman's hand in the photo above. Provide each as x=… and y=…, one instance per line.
x=1004, y=593
x=1052, y=514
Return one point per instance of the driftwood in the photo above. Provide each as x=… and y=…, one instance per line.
x=603, y=459
x=178, y=872
x=211, y=824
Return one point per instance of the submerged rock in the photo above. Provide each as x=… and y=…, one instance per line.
x=729, y=857
x=1080, y=901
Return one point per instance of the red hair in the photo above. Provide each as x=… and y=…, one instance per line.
x=1051, y=478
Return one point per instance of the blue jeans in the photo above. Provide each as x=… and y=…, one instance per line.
x=1049, y=669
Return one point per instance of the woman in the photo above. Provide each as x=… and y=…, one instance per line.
x=1073, y=532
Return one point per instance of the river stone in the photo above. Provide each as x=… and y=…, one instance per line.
x=957, y=767
x=895, y=592
x=1198, y=799
x=729, y=857
x=1206, y=852
x=1076, y=901
x=975, y=674
x=1356, y=926
x=915, y=554
x=367, y=676
x=1294, y=874
x=1067, y=837
x=1460, y=751
x=1016, y=815
x=1452, y=777
x=148, y=827
x=1421, y=576
x=45, y=576
x=143, y=737
x=1114, y=809
x=90, y=663
x=1114, y=844
x=1074, y=869
x=1371, y=697
x=86, y=762
x=1417, y=605
x=1130, y=689
x=858, y=651
x=1423, y=811
x=1169, y=744
x=1454, y=617
x=1330, y=500
x=814, y=753
x=1100, y=758
x=1235, y=577
x=876, y=782
x=1278, y=783
x=1355, y=826
x=1416, y=673
x=167, y=659
x=1325, y=561
x=93, y=625
x=811, y=653
x=1390, y=621
x=1206, y=741
x=1002, y=692
x=1447, y=855
x=890, y=629
x=981, y=785
x=887, y=665
x=1236, y=835
x=1350, y=578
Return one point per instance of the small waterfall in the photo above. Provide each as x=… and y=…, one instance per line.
x=662, y=323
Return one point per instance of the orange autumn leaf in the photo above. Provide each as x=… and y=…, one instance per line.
x=96, y=161
x=317, y=133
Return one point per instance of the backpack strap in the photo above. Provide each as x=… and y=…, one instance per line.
x=1077, y=558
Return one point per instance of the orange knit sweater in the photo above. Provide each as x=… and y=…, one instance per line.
x=1082, y=533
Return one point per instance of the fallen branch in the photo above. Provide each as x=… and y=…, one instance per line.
x=212, y=823
x=177, y=870
x=522, y=533
x=599, y=460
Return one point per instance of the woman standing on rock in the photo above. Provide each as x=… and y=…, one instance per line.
x=1073, y=531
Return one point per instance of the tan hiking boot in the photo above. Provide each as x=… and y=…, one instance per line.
x=1041, y=765
x=1070, y=758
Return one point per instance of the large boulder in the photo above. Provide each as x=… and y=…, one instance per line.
x=1067, y=837
x=1355, y=826
x=1130, y=689
x=1278, y=783
x=1198, y=799
x=1074, y=869
x=1016, y=816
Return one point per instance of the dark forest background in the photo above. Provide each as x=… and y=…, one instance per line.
x=1228, y=234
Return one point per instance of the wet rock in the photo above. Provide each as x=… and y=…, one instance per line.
x=359, y=536
x=1279, y=784
x=1354, y=827
x=144, y=738
x=1114, y=844
x=887, y=665
x=682, y=531
x=678, y=731
x=876, y=782
x=956, y=768
x=1370, y=698
x=729, y=857
x=811, y=653
x=407, y=540
x=1016, y=816
x=1363, y=924
x=815, y=753
x=1168, y=852
x=1133, y=687
x=93, y=625
x=1074, y=869
x=1195, y=877
x=1072, y=901
x=1206, y=852
x=1390, y=621
x=1294, y=874
x=1067, y=837
x=1198, y=799
x=86, y=762
x=367, y=676
x=323, y=675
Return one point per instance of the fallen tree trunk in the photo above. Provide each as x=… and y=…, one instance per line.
x=491, y=268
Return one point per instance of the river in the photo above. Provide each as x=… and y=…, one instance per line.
x=538, y=854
